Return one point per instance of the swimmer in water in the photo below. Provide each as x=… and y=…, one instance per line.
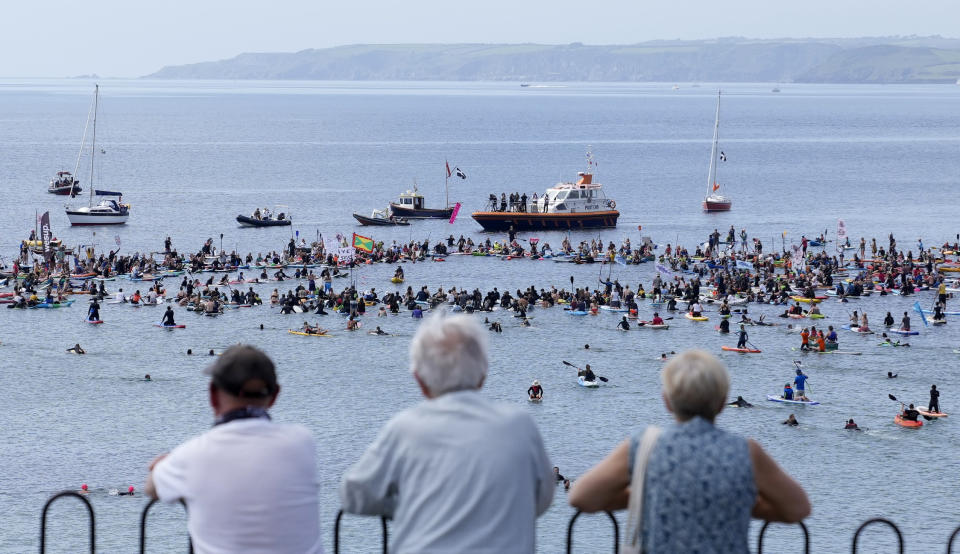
x=76, y=349
x=891, y=375
x=128, y=493
x=84, y=489
x=147, y=377
x=586, y=347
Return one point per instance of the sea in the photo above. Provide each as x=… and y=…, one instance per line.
x=189, y=156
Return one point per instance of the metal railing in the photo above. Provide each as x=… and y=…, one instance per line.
x=763, y=531
x=336, y=532
x=43, y=519
x=385, y=531
x=143, y=527
x=616, y=532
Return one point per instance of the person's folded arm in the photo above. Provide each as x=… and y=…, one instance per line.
x=606, y=486
x=367, y=487
x=779, y=496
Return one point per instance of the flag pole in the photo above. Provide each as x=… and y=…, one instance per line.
x=446, y=178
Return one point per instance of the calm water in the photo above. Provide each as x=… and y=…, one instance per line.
x=190, y=156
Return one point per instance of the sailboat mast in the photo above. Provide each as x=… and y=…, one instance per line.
x=446, y=186
x=83, y=140
x=93, y=143
x=712, y=173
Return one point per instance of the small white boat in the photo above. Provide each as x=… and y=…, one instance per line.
x=589, y=384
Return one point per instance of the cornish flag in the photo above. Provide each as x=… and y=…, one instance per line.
x=460, y=173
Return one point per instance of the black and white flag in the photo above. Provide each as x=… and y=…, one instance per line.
x=723, y=157
x=460, y=173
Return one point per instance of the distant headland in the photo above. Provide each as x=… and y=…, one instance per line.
x=910, y=59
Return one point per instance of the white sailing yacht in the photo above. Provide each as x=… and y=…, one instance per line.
x=108, y=211
x=715, y=202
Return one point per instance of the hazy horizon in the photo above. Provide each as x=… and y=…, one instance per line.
x=114, y=38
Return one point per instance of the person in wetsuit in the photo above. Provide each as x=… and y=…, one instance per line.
x=791, y=421
x=168, y=318
x=76, y=349
x=934, y=404
x=624, y=324
x=535, y=391
x=724, y=326
x=888, y=321
x=94, y=313
x=742, y=340
x=740, y=403
x=851, y=425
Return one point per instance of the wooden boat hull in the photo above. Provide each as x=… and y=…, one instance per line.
x=379, y=221
x=421, y=213
x=528, y=221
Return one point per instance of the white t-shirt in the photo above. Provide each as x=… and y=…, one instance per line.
x=250, y=486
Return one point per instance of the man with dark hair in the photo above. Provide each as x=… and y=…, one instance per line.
x=250, y=485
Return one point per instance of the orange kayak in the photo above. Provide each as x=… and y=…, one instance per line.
x=906, y=423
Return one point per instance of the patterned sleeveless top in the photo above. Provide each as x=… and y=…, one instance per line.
x=699, y=490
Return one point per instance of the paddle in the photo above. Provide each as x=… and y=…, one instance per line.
x=604, y=379
x=894, y=398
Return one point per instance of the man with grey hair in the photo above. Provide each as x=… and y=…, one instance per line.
x=456, y=472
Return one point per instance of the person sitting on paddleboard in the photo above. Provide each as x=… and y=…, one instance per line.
x=910, y=414
x=657, y=320
x=934, y=404
x=742, y=340
x=587, y=374
x=831, y=335
x=168, y=318
x=905, y=322
x=76, y=349
x=814, y=310
x=94, y=313
x=851, y=425
x=624, y=324
x=864, y=326
x=800, y=381
x=740, y=403
x=791, y=421
x=787, y=392
x=135, y=299
x=535, y=391
x=724, y=308
x=398, y=274
x=938, y=314
x=696, y=309
x=352, y=324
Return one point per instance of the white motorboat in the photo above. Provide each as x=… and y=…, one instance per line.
x=108, y=211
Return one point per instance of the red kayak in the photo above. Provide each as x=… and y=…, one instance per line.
x=906, y=423
x=741, y=350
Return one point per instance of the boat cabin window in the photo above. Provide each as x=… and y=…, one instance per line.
x=573, y=194
x=561, y=196
x=418, y=202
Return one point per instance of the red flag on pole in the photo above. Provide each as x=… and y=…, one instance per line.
x=448, y=168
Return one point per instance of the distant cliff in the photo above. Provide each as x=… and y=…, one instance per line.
x=868, y=60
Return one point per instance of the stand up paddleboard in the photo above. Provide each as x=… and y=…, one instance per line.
x=924, y=412
x=741, y=350
x=775, y=398
x=170, y=326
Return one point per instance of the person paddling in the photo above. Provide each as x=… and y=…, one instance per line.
x=742, y=340
x=740, y=403
x=535, y=392
x=934, y=404
x=800, y=382
x=587, y=374
x=910, y=414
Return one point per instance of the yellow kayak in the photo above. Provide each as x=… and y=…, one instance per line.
x=695, y=317
x=397, y=280
x=807, y=300
x=292, y=332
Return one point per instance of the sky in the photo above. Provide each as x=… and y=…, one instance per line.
x=132, y=38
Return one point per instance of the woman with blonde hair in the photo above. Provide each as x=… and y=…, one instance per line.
x=691, y=487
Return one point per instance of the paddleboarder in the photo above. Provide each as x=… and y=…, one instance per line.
x=742, y=340
x=800, y=382
x=535, y=392
x=740, y=403
x=934, y=404
x=168, y=318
